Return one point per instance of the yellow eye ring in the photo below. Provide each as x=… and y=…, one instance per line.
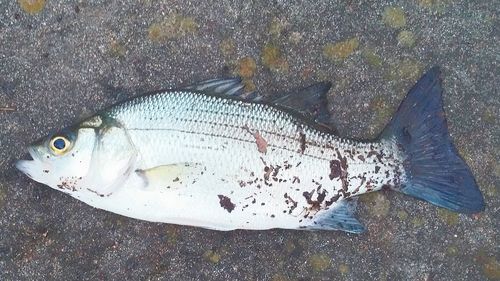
x=59, y=145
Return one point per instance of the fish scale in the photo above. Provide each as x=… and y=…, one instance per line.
x=219, y=134
x=210, y=156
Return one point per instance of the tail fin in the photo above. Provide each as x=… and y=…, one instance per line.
x=435, y=172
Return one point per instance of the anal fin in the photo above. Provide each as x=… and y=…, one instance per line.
x=341, y=217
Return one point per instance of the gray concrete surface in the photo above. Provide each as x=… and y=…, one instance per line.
x=62, y=61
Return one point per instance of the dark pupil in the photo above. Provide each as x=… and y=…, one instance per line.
x=59, y=144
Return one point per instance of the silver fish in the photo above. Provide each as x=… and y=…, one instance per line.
x=209, y=156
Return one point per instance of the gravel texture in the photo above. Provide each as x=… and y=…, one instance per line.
x=62, y=60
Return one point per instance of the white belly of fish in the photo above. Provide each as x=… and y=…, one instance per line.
x=238, y=166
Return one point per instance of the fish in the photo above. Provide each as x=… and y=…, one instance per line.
x=210, y=155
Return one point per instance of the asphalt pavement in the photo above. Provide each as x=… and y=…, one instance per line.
x=61, y=61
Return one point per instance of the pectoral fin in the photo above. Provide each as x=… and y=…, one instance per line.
x=170, y=176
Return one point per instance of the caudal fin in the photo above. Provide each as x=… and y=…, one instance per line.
x=434, y=170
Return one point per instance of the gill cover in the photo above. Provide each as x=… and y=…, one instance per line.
x=112, y=161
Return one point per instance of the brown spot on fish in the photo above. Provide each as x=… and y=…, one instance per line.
x=361, y=157
x=379, y=157
x=302, y=138
x=289, y=200
x=259, y=140
x=46, y=171
x=315, y=204
x=377, y=168
x=225, y=202
x=369, y=185
x=363, y=179
x=372, y=153
x=335, y=169
x=343, y=162
x=332, y=200
x=176, y=179
x=338, y=168
x=267, y=172
x=296, y=179
x=321, y=197
x=68, y=183
x=276, y=170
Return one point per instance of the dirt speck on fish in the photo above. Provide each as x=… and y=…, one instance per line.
x=207, y=155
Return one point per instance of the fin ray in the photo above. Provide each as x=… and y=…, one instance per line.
x=435, y=172
x=339, y=218
x=223, y=86
x=169, y=176
x=310, y=101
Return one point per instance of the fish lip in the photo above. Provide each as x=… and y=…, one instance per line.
x=34, y=154
x=23, y=165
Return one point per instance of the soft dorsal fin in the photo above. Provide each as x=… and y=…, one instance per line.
x=339, y=218
x=310, y=101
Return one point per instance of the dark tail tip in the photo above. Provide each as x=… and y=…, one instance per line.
x=434, y=170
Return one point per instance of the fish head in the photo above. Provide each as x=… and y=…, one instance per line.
x=60, y=157
x=88, y=158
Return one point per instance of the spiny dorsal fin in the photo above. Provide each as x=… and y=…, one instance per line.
x=310, y=101
x=225, y=86
x=341, y=217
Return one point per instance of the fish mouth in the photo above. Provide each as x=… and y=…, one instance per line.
x=27, y=166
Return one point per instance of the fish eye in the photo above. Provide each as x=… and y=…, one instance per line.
x=59, y=145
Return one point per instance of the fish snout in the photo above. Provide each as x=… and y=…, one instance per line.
x=25, y=166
